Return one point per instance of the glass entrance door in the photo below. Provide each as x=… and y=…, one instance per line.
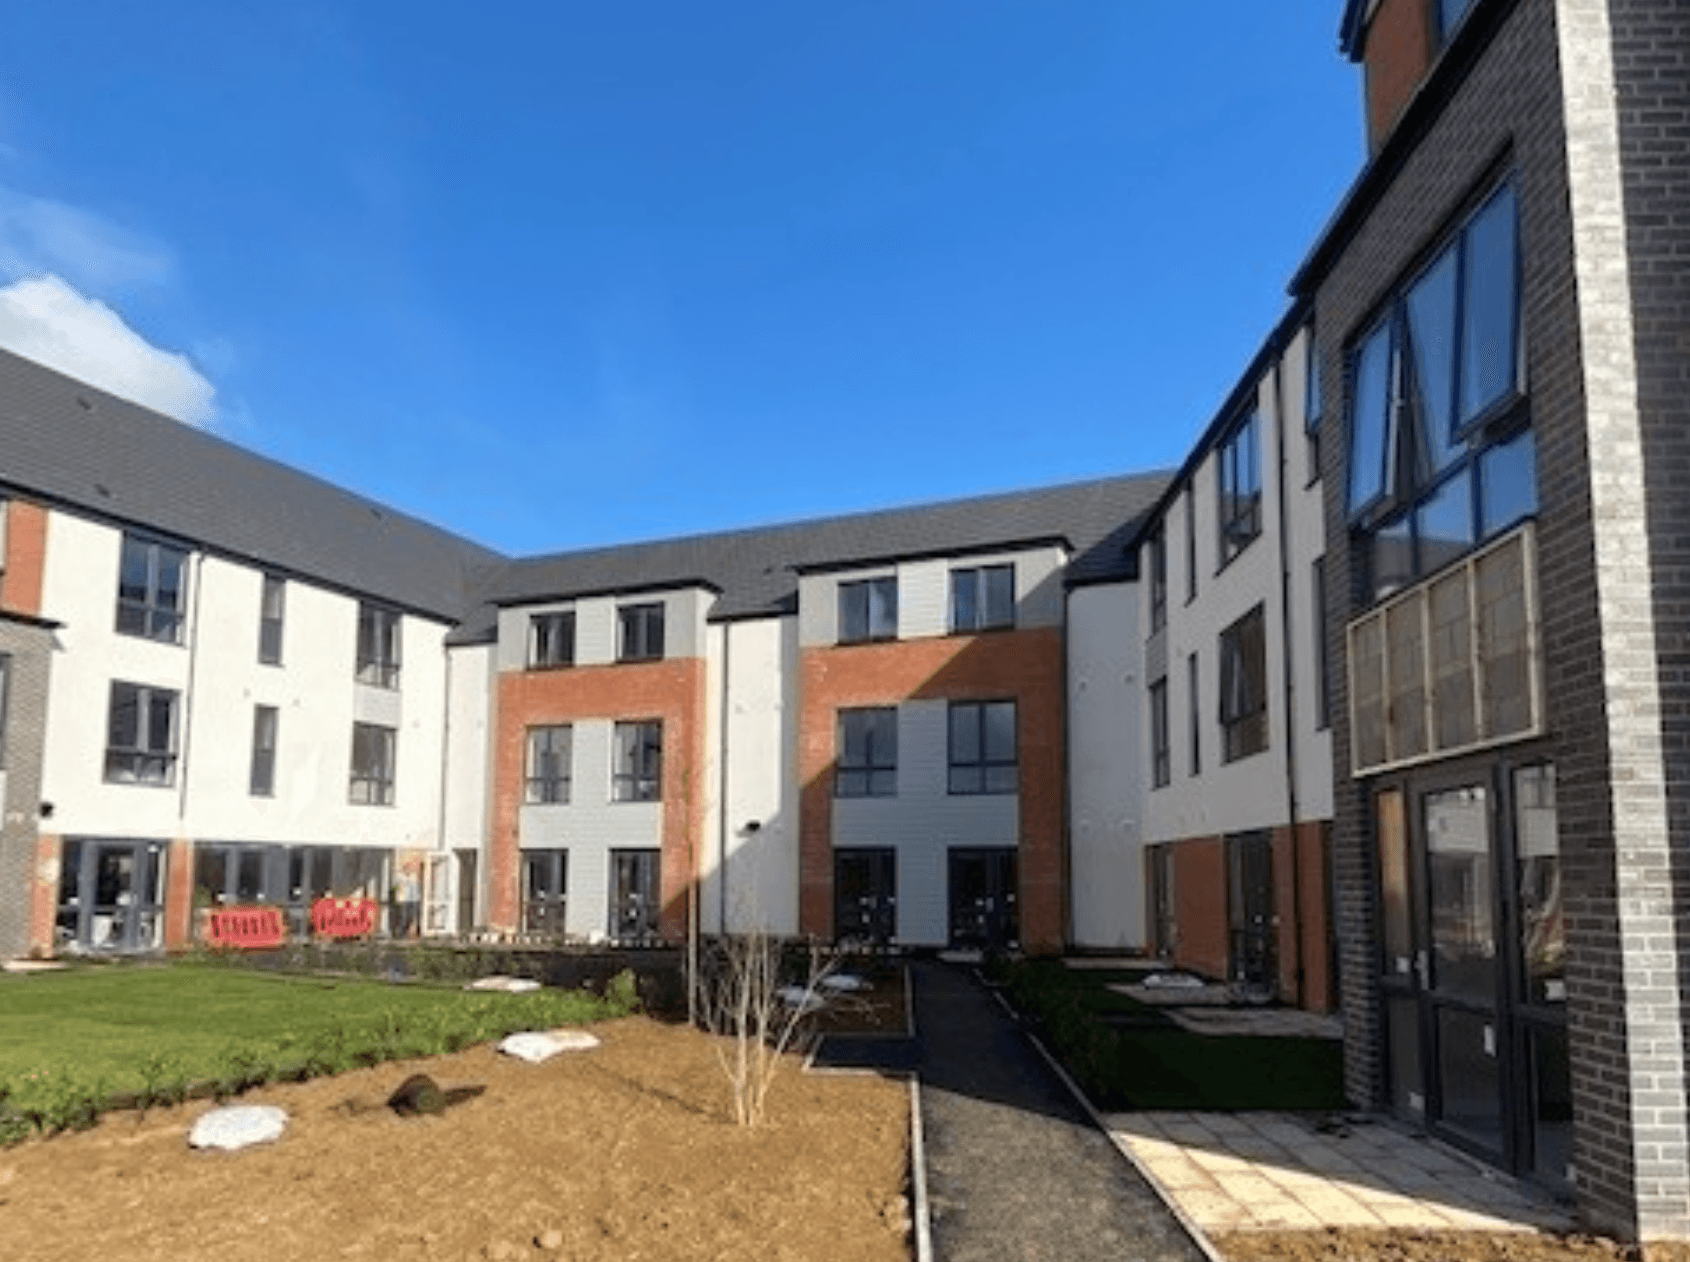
x=633, y=896
x=1250, y=913
x=865, y=893
x=111, y=896
x=983, y=898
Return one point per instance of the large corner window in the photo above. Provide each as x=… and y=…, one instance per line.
x=1450, y=665
x=982, y=598
x=1243, y=661
x=378, y=646
x=141, y=734
x=982, y=747
x=551, y=640
x=1434, y=384
x=374, y=750
x=868, y=610
x=1157, y=551
x=640, y=632
x=867, y=764
x=637, y=768
x=549, y=757
x=1239, y=486
x=152, y=589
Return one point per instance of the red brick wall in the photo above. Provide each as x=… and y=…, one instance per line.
x=672, y=691
x=26, y=557
x=1025, y=665
x=1200, y=918
x=179, y=895
x=44, y=902
x=1398, y=54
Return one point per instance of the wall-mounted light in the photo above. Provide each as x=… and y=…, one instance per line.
x=753, y=825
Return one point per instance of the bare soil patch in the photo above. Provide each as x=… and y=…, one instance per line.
x=1380, y=1245
x=622, y=1153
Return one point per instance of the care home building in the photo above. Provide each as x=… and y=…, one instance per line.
x=1379, y=701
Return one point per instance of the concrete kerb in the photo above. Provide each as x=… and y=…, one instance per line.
x=1186, y=1222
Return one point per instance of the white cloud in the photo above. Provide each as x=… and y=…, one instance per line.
x=43, y=318
x=38, y=235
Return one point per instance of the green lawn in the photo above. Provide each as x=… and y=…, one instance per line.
x=1129, y=1055
x=154, y=1031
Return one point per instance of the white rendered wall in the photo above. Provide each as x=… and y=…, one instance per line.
x=924, y=593
x=217, y=672
x=469, y=749
x=1107, y=767
x=923, y=821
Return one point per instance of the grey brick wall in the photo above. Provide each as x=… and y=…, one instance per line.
x=30, y=648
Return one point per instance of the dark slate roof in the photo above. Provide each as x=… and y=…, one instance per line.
x=77, y=446
x=756, y=571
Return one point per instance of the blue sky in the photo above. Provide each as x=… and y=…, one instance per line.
x=554, y=275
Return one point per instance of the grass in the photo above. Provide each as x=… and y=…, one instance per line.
x=1128, y=1055
x=74, y=1043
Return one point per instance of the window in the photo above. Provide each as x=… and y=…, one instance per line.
x=141, y=735
x=868, y=754
x=1450, y=13
x=549, y=753
x=641, y=632
x=152, y=589
x=271, y=604
x=262, y=783
x=982, y=599
x=1239, y=488
x=1322, y=658
x=378, y=646
x=637, y=775
x=1160, y=771
x=1158, y=564
x=1190, y=544
x=868, y=610
x=373, y=750
x=1194, y=714
x=545, y=891
x=983, y=758
x=5, y=691
x=1243, y=658
x=1433, y=375
x=551, y=640
x=1311, y=407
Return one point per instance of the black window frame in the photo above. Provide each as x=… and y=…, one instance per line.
x=140, y=761
x=1161, y=754
x=639, y=632
x=864, y=589
x=555, y=788
x=374, y=777
x=1313, y=408
x=379, y=646
x=261, y=777
x=1190, y=495
x=545, y=912
x=981, y=775
x=636, y=753
x=1243, y=711
x=1194, y=712
x=551, y=640
x=986, y=610
x=145, y=616
x=272, y=619
x=875, y=773
x=1157, y=554
x=1238, y=486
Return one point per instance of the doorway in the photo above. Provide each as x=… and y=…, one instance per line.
x=633, y=897
x=1252, y=926
x=111, y=896
x=983, y=913
x=865, y=895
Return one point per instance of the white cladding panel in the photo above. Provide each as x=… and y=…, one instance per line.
x=924, y=821
x=469, y=750
x=1107, y=766
x=759, y=756
x=596, y=623
x=220, y=681
x=924, y=593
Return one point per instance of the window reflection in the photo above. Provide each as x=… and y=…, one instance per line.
x=1458, y=845
x=1543, y=942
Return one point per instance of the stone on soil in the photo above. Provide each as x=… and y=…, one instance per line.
x=238, y=1126
x=537, y=1046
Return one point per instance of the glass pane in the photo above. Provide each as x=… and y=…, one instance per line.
x=161, y=709
x=133, y=571
x=1406, y=653
x=853, y=611
x=1002, y=779
x=965, y=734
x=1395, y=900
x=1458, y=845
x=1000, y=731
x=1508, y=483
x=1370, y=419
x=1452, y=663
x=124, y=731
x=1446, y=524
x=1504, y=642
x=963, y=613
x=1552, y=1104
x=850, y=784
x=883, y=741
x=170, y=566
x=1431, y=323
x=210, y=875
x=965, y=779
x=249, y=876
x=853, y=740
x=1368, y=697
x=1543, y=945
x=1000, y=596
x=1467, y=1073
x=1393, y=558
x=883, y=608
x=883, y=783
x=1402, y=1018
x=1490, y=328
